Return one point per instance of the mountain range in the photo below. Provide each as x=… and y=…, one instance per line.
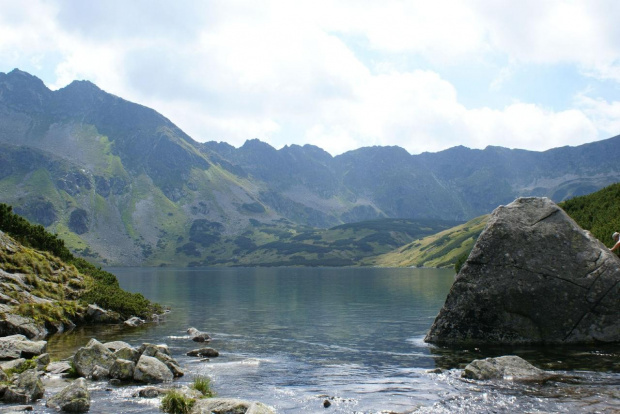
x=123, y=185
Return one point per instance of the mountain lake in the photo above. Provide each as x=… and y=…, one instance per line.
x=295, y=337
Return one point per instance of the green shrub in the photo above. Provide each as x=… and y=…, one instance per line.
x=175, y=402
x=203, y=385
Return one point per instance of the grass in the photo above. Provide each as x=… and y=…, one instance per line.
x=203, y=385
x=175, y=402
x=29, y=364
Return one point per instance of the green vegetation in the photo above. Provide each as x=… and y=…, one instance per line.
x=96, y=286
x=203, y=385
x=29, y=364
x=175, y=402
x=598, y=212
x=443, y=249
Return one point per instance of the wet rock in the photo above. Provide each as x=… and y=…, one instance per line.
x=74, y=398
x=533, y=277
x=151, y=370
x=203, y=352
x=91, y=355
x=504, y=367
x=122, y=369
x=134, y=321
x=326, y=404
x=229, y=405
x=16, y=324
x=150, y=392
x=27, y=388
x=198, y=336
x=17, y=409
x=19, y=346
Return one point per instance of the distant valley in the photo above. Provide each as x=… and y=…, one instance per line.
x=122, y=185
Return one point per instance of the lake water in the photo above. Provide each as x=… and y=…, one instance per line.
x=293, y=337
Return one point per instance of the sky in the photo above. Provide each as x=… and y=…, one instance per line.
x=423, y=75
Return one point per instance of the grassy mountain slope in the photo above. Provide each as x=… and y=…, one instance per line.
x=42, y=280
x=437, y=250
x=598, y=212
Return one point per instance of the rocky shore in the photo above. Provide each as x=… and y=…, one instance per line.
x=26, y=371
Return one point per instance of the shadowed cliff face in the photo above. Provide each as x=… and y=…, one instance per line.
x=533, y=277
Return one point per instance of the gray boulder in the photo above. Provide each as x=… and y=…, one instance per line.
x=504, y=367
x=198, y=336
x=19, y=346
x=60, y=367
x=171, y=363
x=229, y=405
x=99, y=373
x=151, y=392
x=122, y=369
x=91, y=355
x=74, y=398
x=116, y=345
x=27, y=388
x=151, y=370
x=11, y=323
x=533, y=277
x=13, y=364
x=130, y=354
x=151, y=349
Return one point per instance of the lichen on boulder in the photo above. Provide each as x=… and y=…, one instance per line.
x=533, y=277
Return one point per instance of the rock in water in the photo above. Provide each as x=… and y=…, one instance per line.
x=74, y=398
x=229, y=405
x=505, y=367
x=27, y=388
x=533, y=277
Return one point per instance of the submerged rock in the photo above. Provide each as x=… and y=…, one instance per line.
x=74, y=398
x=533, y=277
x=229, y=405
x=504, y=367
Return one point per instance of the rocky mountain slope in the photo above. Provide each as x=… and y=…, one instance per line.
x=121, y=184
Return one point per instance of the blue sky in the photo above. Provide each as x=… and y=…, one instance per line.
x=533, y=74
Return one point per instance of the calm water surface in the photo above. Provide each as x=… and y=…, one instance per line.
x=293, y=337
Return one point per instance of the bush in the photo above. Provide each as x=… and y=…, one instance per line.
x=175, y=402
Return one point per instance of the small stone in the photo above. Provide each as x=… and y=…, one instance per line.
x=326, y=404
x=203, y=352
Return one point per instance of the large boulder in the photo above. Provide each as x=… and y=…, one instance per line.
x=92, y=355
x=11, y=323
x=151, y=370
x=27, y=388
x=229, y=405
x=533, y=277
x=74, y=398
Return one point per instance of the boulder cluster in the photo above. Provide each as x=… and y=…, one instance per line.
x=24, y=364
x=118, y=360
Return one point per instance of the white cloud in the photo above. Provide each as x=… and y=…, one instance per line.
x=326, y=72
